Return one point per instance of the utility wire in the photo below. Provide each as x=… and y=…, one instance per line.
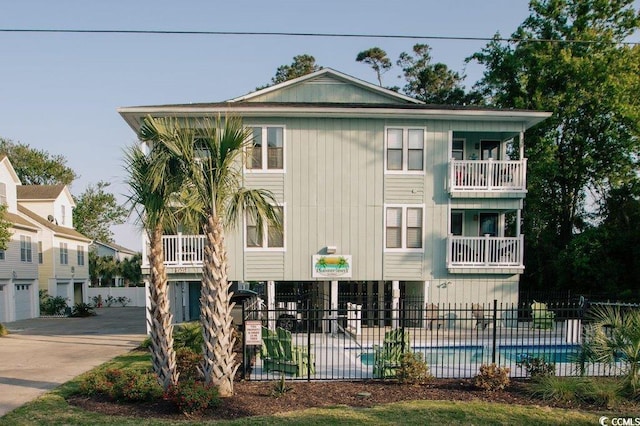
x=293, y=34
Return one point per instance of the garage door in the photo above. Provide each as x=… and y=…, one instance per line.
x=23, y=301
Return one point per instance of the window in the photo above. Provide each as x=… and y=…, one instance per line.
x=267, y=149
x=2, y=255
x=64, y=254
x=40, y=255
x=456, y=223
x=403, y=227
x=64, y=215
x=80, y=256
x=25, y=248
x=269, y=236
x=404, y=150
x=457, y=149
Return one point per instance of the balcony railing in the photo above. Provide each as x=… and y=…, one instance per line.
x=487, y=175
x=485, y=252
x=180, y=250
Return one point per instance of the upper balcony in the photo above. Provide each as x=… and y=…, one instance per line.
x=180, y=251
x=498, y=177
x=486, y=254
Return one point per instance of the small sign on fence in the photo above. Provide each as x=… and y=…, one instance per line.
x=253, y=333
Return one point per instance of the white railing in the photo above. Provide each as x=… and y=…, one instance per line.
x=485, y=252
x=487, y=175
x=179, y=250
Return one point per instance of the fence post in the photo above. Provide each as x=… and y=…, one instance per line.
x=309, y=340
x=495, y=331
x=244, y=346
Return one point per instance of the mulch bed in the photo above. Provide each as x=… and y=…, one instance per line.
x=256, y=398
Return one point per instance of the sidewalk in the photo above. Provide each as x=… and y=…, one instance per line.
x=42, y=353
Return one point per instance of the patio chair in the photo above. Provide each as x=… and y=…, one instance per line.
x=542, y=317
x=477, y=312
x=279, y=353
x=388, y=357
x=432, y=315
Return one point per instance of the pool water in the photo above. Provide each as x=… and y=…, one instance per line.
x=440, y=355
x=550, y=353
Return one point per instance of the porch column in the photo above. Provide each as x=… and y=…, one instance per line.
x=521, y=146
x=395, y=304
x=271, y=305
x=147, y=304
x=334, y=307
x=381, y=303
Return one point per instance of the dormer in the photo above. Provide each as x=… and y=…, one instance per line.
x=52, y=202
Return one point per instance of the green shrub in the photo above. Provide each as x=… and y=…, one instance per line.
x=280, y=387
x=52, y=305
x=188, y=364
x=603, y=392
x=537, y=367
x=413, y=368
x=491, y=377
x=192, y=397
x=188, y=335
x=559, y=389
x=3, y=330
x=82, y=310
x=122, y=385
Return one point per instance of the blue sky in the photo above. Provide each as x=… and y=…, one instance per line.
x=59, y=92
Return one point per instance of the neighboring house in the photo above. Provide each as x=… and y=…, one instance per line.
x=62, y=252
x=18, y=263
x=383, y=198
x=115, y=251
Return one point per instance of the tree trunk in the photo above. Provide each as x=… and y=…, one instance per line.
x=160, y=323
x=215, y=312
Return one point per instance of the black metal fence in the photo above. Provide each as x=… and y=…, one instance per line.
x=308, y=342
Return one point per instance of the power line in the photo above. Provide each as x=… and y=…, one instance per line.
x=295, y=34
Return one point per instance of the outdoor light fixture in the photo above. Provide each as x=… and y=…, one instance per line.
x=331, y=249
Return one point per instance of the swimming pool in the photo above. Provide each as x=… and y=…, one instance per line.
x=439, y=355
x=550, y=353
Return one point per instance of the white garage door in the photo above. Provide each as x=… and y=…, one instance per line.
x=23, y=301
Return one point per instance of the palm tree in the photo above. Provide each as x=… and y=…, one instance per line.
x=152, y=181
x=614, y=337
x=211, y=153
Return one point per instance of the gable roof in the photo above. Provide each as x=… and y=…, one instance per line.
x=115, y=247
x=39, y=192
x=43, y=193
x=57, y=230
x=7, y=163
x=19, y=222
x=349, y=99
x=329, y=76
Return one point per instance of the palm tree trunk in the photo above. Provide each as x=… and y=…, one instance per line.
x=220, y=365
x=160, y=323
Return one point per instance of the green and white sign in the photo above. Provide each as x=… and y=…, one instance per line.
x=331, y=266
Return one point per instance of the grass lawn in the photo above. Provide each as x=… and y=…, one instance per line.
x=52, y=409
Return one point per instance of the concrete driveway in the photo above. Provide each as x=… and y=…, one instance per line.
x=42, y=353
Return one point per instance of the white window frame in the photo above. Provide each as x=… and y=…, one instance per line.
x=405, y=150
x=64, y=253
x=26, y=249
x=80, y=255
x=265, y=150
x=265, y=234
x=464, y=147
x=3, y=194
x=403, y=239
